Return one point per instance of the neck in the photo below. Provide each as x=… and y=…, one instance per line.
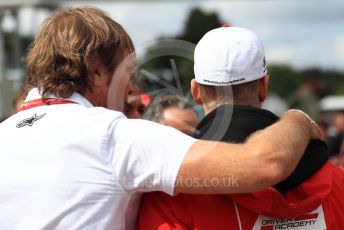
x=209, y=107
x=90, y=98
x=94, y=99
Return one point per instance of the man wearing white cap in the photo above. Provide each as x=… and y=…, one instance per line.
x=231, y=81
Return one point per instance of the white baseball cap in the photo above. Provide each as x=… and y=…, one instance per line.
x=229, y=56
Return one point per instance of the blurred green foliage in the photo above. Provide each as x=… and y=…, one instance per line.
x=197, y=24
x=283, y=80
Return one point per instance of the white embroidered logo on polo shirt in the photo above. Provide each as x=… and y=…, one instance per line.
x=314, y=220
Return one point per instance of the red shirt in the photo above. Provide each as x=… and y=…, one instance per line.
x=300, y=208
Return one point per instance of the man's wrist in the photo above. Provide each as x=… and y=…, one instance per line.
x=301, y=119
x=305, y=121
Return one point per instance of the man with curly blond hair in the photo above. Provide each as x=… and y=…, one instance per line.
x=69, y=158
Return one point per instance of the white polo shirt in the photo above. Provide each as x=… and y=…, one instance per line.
x=75, y=166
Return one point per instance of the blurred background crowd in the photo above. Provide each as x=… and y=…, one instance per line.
x=304, y=42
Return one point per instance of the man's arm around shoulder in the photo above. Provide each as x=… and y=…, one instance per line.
x=265, y=159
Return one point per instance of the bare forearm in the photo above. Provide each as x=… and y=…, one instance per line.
x=281, y=146
x=214, y=167
x=265, y=159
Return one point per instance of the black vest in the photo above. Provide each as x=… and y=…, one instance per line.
x=234, y=123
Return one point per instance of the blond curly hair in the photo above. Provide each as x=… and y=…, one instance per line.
x=58, y=60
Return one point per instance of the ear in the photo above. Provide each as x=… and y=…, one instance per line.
x=97, y=74
x=263, y=88
x=195, y=92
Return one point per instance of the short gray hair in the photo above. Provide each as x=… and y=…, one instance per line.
x=156, y=109
x=234, y=94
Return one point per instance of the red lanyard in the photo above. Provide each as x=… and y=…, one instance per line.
x=44, y=101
